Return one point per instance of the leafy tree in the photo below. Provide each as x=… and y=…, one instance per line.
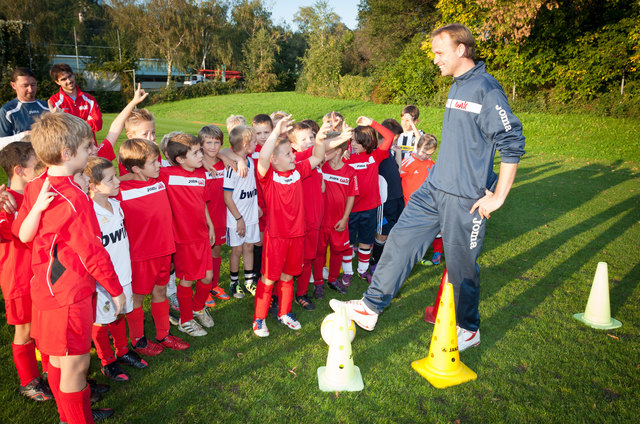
x=259, y=60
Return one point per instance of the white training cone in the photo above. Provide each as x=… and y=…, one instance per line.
x=340, y=374
x=598, y=311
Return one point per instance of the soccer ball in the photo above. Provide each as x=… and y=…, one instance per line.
x=326, y=329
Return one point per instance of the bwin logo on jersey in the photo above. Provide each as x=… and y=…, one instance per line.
x=114, y=237
x=504, y=118
x=473, y=241
x=248, y=194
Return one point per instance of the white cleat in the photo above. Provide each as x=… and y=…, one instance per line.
x=467, y=339
x=358, y=312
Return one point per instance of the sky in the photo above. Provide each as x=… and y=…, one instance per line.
x=284, y=10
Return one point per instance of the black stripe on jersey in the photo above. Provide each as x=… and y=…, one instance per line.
x=57, y=269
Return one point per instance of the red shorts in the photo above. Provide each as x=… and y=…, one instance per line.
x=282, y=255
x=192, y=260
x=337, y=240
x=147, y=274
x=221, y=236
x=18, y=310
x=311, y=243
x=66, y=330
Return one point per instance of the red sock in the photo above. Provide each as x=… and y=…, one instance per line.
x=77, y=406
x=100, y=337
x=160, y=314
x=24, y=356
x=44, y=362
x=262, y=300
x=285, y=297
x=335, y=261
x=302, y=285
x=135, y=319
x=54, y=384
x=318, y=264
x=437, y=245
x=202, y=292
x=185, y=301
x=216, y=272
x=118, y=330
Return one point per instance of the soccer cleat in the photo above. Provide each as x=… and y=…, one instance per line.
x=366, y=276
x=235, y=290
x=273, y=305
x=173, y=302
x=97, y=387
x=318, y=291
x=101, y=414
x=114, y=372
x=467, y=339
x=145, y=347
x=173, y=342
x=250, y=287
x=174, y=320
x=305, y=302
x=337, y=286
x=325, y=272
x=131, y=358
x=436, y=258
x=290, y=321
x=36, y=390
x=346, y=279
x=358, y=312
x=192, y=328
x=220, y=293
x=210, y=302
x=260, y=328
x=95, y=397
x=203, y=318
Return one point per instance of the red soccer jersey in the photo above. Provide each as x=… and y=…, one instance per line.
x=312, y=189
x=216, y=205
x=84, y=106
x=283, y=196
x=106, y=150
x=15, y=256
x=413, y=172
x=366, y=167
x=188, y=197
x=67, y=252
x=339, y=184
x=147, y=219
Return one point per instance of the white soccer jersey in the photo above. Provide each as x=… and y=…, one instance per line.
x=407, y=143
x=244, y=195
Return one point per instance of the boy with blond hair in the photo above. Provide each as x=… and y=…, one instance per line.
x=235, y=120
x=68, y=234
x=149, y=227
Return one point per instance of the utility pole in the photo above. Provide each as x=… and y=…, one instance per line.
x=119, y=49
x=75, y=41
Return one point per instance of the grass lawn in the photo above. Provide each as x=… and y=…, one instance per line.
x=576, y=201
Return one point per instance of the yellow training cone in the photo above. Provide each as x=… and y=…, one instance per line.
x=340, y=374
x=598, y=311
x=442, y=368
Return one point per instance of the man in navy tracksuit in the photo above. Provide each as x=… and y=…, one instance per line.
x=460, y=193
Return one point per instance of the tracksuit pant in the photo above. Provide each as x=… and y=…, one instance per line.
x=428, y=212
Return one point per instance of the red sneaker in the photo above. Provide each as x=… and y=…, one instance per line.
x=210, y=302
x=173, y=342
x=145, y=347
x=220, y=293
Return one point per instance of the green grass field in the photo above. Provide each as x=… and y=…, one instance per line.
x=575, y=202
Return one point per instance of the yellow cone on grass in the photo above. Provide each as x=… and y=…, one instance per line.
x=598, y=311
x=340, y=374
x=442, y=368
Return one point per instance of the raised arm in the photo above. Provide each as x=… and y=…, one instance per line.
x=319, y=148
x=264, y=159
x=118, y=124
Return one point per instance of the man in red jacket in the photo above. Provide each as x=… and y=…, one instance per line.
x=70, y=99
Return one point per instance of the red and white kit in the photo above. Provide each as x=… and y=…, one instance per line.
x=84, y=106
x=216, y=205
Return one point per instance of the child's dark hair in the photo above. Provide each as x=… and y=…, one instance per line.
x=15, y=154
x=428, y=140
x=312, y=124
x=136, y=152
x=180, y=144
x=211, y=131
x=365, y=136
x=411, y=110
x=262, y=118
x=95, y=169
x=393, y=126
x=59, y=69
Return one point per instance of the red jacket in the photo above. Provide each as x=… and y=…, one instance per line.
x=15, y=257
x=85, y=107
x=67, y=252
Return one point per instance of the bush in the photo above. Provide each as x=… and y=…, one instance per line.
x=355, y=87
x=210, y=88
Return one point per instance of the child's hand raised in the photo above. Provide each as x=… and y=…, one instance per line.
x=347, y=132
x=44, y=197
x=364, y=121
x=323, y=131
x=7, y=202
x=284, y=125
x=139, y=95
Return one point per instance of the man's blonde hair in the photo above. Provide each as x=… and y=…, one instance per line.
x=136, y=152
x=240, y=135
x=51, y=133
x=137, y=116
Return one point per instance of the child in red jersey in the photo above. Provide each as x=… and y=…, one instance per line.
x=103, y=186
x=366, y=159
x=212, y=138
x=18, y=160
x=149, y=227
x=281, y=178
x=341, y=188
x=67, y=259
x=193, y=230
